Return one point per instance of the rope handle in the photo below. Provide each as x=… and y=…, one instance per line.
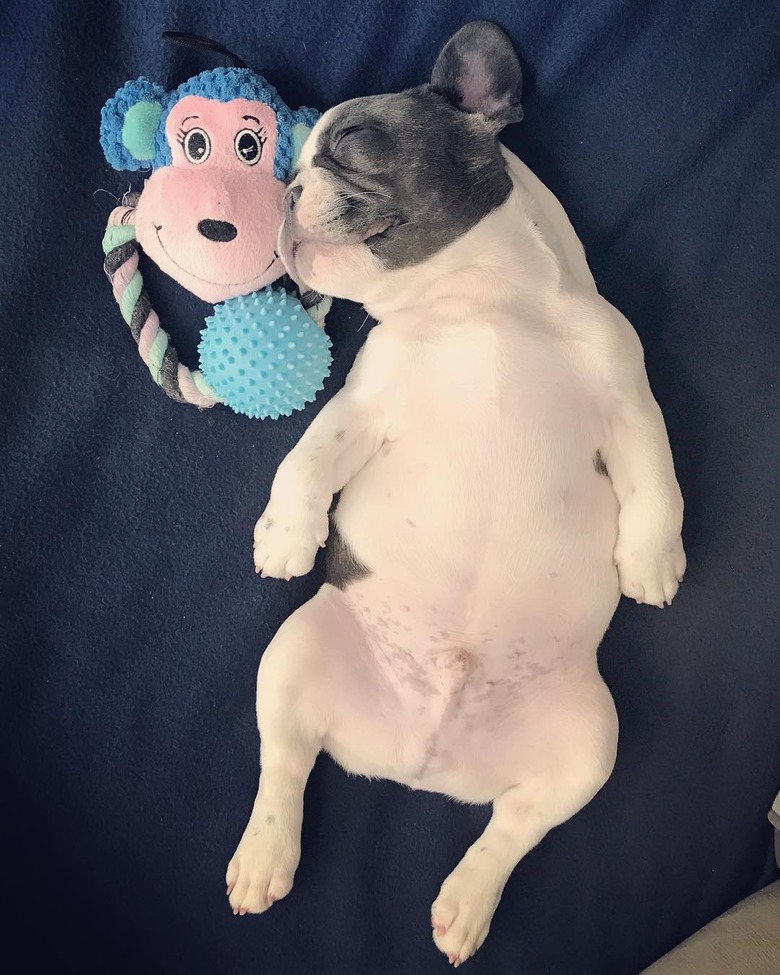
x=120, y=248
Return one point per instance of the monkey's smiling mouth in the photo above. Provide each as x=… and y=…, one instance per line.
x=225, y=284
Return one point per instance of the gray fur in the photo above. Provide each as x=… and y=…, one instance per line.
x=422, y=161
x=341, y=565
x=598, y=464
x=479, y=72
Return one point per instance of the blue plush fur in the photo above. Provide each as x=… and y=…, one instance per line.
x=221, y=84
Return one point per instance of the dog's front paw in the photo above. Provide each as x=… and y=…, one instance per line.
x=650, y=565
x=287, y=546
x=461, y=914
x=262, y=869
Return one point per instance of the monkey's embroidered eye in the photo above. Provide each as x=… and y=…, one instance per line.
x=249, y=146
x=197, y=145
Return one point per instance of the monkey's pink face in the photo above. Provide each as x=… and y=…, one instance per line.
x=211, y=218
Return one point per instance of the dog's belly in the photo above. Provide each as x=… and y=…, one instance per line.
x=458, y=720
x=486, y=506
x=488, y=533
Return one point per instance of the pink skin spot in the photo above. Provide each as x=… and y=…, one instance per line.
x=221, y=172
x=477, y=89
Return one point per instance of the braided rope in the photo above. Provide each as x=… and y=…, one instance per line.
x=120, y=248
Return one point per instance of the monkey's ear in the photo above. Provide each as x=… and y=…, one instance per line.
x=129, y=124
x=304, y=121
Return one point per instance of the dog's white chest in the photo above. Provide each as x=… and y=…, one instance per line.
x=485, y=485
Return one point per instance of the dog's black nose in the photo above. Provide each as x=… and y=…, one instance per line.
x=217, y=229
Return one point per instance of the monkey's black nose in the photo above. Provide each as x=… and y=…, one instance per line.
x=217, y=229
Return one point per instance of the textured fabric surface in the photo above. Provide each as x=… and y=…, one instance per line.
x=131, y=622
x=744, y=941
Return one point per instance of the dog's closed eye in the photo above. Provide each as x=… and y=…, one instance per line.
x=345, y=133
x=362, y=148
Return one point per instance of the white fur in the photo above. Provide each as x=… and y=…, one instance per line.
x=464, y=442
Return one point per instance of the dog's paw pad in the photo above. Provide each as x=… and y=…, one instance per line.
x=285, y=548
x=651, y=575
x=261, y=872
x=461, y=914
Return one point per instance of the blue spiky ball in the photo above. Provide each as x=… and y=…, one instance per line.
x=263, y=354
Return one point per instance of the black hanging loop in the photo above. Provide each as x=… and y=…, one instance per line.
x=199, y=43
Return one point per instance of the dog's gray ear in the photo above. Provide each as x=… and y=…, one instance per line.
x=479, y=72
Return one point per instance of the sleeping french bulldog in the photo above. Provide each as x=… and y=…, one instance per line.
x=505, y=474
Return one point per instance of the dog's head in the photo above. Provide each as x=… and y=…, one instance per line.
x=385, y=182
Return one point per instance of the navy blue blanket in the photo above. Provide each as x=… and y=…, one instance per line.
x=131, y=622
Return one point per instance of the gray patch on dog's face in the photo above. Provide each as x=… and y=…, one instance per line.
x=341, y=565
x=415, y=163
x=598, y=464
